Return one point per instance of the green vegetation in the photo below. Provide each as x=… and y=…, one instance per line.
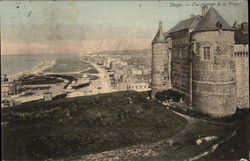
x=34, y=80
x=206, y=116
x=146, y=93
x=173, y=99
x=61, y=96
x=81, y=86
x=82, y=125
x=67, y=77
x=68, y=65
x=236, y=147
x=75, y=76
x=33, y=88
x=186, y=146
x=167, y=95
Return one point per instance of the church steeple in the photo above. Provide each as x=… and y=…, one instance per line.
x=159, y=37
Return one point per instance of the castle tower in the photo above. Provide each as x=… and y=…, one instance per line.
x=160, y=63
x=213, y=70
x=241, y=49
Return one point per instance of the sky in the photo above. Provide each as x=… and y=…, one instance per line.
x=44, y=27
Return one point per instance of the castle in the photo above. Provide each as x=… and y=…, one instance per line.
x=204, y=59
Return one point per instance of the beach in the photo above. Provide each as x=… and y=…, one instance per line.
x=35, y=70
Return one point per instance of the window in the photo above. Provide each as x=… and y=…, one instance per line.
x=231, y=48
x=206, y=53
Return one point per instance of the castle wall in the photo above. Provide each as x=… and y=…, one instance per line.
x=242, y=75
x=214, y=79
x=180, y=68
x=160, y=63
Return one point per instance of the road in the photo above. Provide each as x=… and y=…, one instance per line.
x=103, y=82
x=101, y=85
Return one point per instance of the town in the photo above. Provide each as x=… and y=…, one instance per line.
x=107, y=72
x=126, y=71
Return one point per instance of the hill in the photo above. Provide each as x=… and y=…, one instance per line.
x=84, y=125
x=126, y=52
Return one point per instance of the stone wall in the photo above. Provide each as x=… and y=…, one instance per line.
x=160, y=63
x=180, y=63
x=242, y=75
x=214, y=80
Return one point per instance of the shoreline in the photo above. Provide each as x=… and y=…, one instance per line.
x=76, y=72
x=35, y=70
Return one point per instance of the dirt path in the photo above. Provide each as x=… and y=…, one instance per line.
x=203, y=120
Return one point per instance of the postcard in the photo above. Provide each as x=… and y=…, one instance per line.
x=149, y=80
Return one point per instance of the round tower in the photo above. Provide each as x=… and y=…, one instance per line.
x=159, y=71
x=213, y=69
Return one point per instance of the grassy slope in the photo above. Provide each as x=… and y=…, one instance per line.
x=83, y=125
x=236, y=147
x=186, y=147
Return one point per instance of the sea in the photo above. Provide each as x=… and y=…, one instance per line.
x=12, y=64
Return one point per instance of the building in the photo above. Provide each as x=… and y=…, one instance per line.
x=124, y=63
x=7, y=103
x=10, y=88
x=136, y=71
x=5, y=90
x=160, y=62
x=122, y=86
x=140, y=86
x=146, y=71
x=111, y=75
x=196, y=59
x=4, y=78
x=241, y=55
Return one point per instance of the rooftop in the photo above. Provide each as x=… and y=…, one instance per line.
x=159, y=37
x=212, y=21
x=185, y=24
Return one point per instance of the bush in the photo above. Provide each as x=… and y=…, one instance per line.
x=167, y=95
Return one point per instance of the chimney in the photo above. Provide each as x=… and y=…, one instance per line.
x=160, y=26
x=204, y=10
x=161, y=32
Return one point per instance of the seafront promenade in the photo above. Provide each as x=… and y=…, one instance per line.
x=101, y=85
